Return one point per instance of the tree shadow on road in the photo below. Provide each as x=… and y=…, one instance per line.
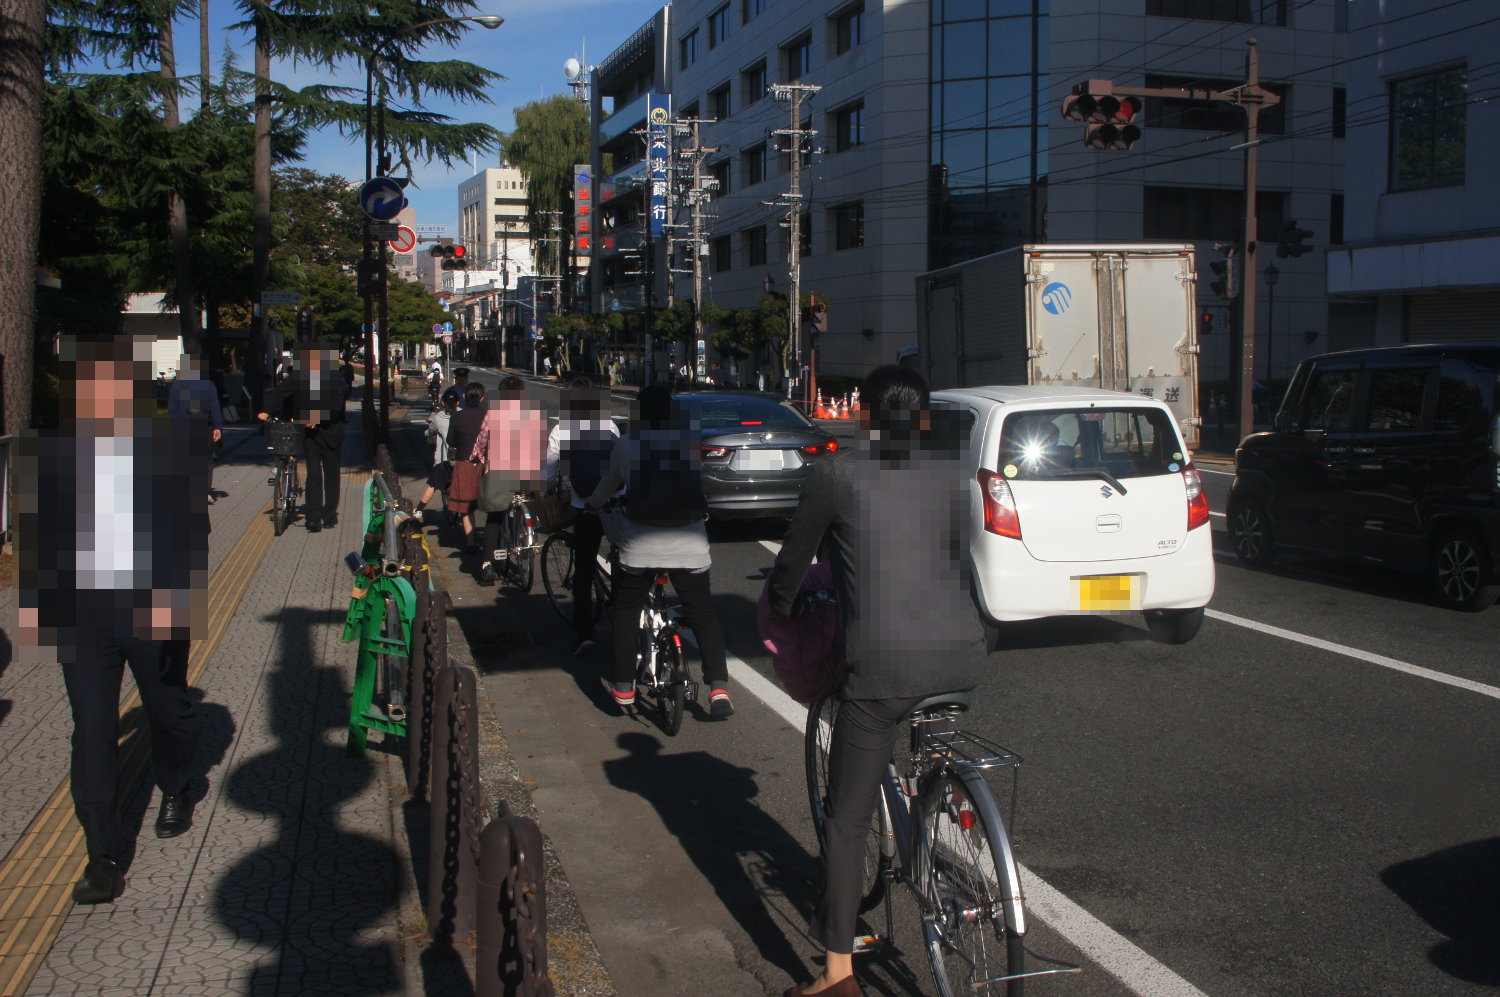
x=1457, y=892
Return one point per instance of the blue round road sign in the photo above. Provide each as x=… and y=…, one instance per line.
x=381, y=198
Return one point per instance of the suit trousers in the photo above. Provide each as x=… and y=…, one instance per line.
x=321, y=499
x=588, y=533
x=93, y=682
x=863, y=737
x=692, y=587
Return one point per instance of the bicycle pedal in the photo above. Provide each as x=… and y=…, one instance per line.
x=868, y=943
x=271, y=480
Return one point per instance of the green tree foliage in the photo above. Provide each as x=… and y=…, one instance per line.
x=411, y=311
x=551, y=137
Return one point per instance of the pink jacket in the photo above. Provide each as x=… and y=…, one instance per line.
x=512, y=438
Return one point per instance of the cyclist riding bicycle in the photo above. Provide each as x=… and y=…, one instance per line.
x=663, y=531
x=578, y=449
x=435, y=381
x=509, y=449
x=889, y=513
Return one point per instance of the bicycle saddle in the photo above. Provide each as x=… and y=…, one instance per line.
x=941, y=701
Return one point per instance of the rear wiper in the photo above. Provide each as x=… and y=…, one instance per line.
x=1099, y=473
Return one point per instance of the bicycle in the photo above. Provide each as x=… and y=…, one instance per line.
x=517, y=558
x=285, y=440
x=940, y=833
x=557, y=576
x=434, y=391
x=661, y=668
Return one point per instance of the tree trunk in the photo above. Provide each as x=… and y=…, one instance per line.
x=177, y=221
x=205, y=55
x=22, y=23
x=260, y=265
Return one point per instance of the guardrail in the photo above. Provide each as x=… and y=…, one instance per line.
x=486, y=878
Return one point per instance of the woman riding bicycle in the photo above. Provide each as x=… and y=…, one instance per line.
x=889, y=514
x=664, y=531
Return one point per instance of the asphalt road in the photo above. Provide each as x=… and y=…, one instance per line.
x=1302, y=800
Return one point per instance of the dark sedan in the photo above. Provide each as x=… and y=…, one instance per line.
x=756, y=451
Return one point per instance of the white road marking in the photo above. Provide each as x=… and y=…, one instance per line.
x=1219, y=514
x=1113, y=952
x=1356, y=653
x=1209, y=470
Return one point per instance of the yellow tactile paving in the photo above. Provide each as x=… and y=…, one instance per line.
x=36, y=878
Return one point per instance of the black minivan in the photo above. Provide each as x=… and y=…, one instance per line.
x=1388, y=455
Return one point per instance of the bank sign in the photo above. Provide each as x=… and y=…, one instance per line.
x=658, y=156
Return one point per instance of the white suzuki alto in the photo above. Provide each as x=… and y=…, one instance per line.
x=1083, y=501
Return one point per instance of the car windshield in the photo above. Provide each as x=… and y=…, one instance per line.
x=732, y=413
x=1126, y=442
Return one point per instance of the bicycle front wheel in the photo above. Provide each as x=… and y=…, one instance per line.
x=967, y=876
x=557, y=574
x=281, y=503
x=821, y=716
x=520, y=558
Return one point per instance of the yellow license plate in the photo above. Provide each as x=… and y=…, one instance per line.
x=1108, y=593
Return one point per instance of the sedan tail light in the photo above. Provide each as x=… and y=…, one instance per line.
x=1197, y=498
x=1000, y=515
x=827, y=446
x=715, y=453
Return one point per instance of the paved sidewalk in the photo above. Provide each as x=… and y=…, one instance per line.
x=296, y=877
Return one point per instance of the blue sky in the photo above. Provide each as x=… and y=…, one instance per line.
x=528, y=49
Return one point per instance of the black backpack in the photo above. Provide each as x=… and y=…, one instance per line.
x=666, y=486
x=585, y=457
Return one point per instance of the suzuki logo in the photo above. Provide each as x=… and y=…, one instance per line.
x=1106, y=491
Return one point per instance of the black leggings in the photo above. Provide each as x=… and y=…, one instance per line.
x=863, y=737
x=630, y=589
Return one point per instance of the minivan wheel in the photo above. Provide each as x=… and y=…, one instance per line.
x=1460, y=572
x=1174, y=626
x=1250, y=533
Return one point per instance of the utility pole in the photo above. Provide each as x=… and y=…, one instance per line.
x=794, y=94
x=1110, y=127
x=697, y=195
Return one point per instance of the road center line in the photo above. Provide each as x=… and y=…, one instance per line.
x=1114, y=953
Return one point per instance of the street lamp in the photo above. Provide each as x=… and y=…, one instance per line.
x=1272, y=276
x=377, y=164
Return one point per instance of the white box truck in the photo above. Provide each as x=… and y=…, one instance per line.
x=1099, y=315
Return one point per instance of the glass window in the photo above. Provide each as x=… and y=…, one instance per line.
x=805, y=233
x=849, y=225
x=753, y=164
x=1463, y=397
x=963, y=104
x=688, y=49
x=750, y=9
x=1010, y=101
x=1009, y=155
x=753, y=82
x=1013, y=8
x=722, y=254
x=1057, y=444
x=1206, y=213
x=1239, y=11
x=719, y=172
x=848, y=28
x=718, y=26
x=755, y=246
x=963, y=10
x=1010, y=46
x=963, y=155
x=1428, y=129
x=963, y=52
x=1396, y=397
x=797, y=57
x=1330, y=399
x=849, y=127
x=1207, y=115
x=718, y=102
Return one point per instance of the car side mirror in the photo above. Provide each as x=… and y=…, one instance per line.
x=1283, y=423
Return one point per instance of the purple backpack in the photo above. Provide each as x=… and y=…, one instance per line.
x=807, y=651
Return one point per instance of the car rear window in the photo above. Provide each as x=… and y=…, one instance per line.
x=1125, y=442
x=734, y=413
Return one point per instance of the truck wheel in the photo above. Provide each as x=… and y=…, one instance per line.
x=1174, y=626
x=1459, y=568
x=1250, y=533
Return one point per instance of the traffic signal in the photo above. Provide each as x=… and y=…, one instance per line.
x=368, y=278
x=305, y=324
x=1206, y=324
x=453, y=256
x=1110, y=118
x=1224, y=285
x=1290, y=241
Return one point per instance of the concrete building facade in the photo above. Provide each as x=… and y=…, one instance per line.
x=1418, y=259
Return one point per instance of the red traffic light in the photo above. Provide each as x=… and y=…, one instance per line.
x=458, y=252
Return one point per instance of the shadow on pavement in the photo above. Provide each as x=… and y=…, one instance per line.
x=759, y=872
x=312, y=896
x=1457, y=892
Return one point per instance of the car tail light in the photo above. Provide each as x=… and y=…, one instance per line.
x=827, y=446
x=715, y=453
x=1197, y=498
x=1000, y=516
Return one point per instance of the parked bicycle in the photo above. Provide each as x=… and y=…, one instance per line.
x=939, y=832
x=284, y=439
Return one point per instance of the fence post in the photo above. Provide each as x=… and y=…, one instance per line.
x=429, y=654
x=453, y=829
x=511, y=956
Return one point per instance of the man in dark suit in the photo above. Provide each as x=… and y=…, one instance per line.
x=113, y=557
x=313, y=396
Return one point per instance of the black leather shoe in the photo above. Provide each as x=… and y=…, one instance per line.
x=313, y=526
x=329, y=522
x=175, y=816
x=103, y=880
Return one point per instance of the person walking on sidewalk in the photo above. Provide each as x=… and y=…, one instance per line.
x=112, y=532
x=440, y=478
x=910, y=625
x=463, y=433
x=658, y=463
x=313, y=396
x=194, y=396
x=578, y=448
x=509, y=450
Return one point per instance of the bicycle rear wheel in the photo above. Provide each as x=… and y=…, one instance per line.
x=520, y=559
x=816, y=740
x=966, y=874
x=671, y=690
x=557, y=574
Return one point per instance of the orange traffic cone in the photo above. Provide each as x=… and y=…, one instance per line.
x=821, y=410
x=843, y=407
x=854, y=404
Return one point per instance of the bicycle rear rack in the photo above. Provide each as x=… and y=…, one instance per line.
x=971, y=749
